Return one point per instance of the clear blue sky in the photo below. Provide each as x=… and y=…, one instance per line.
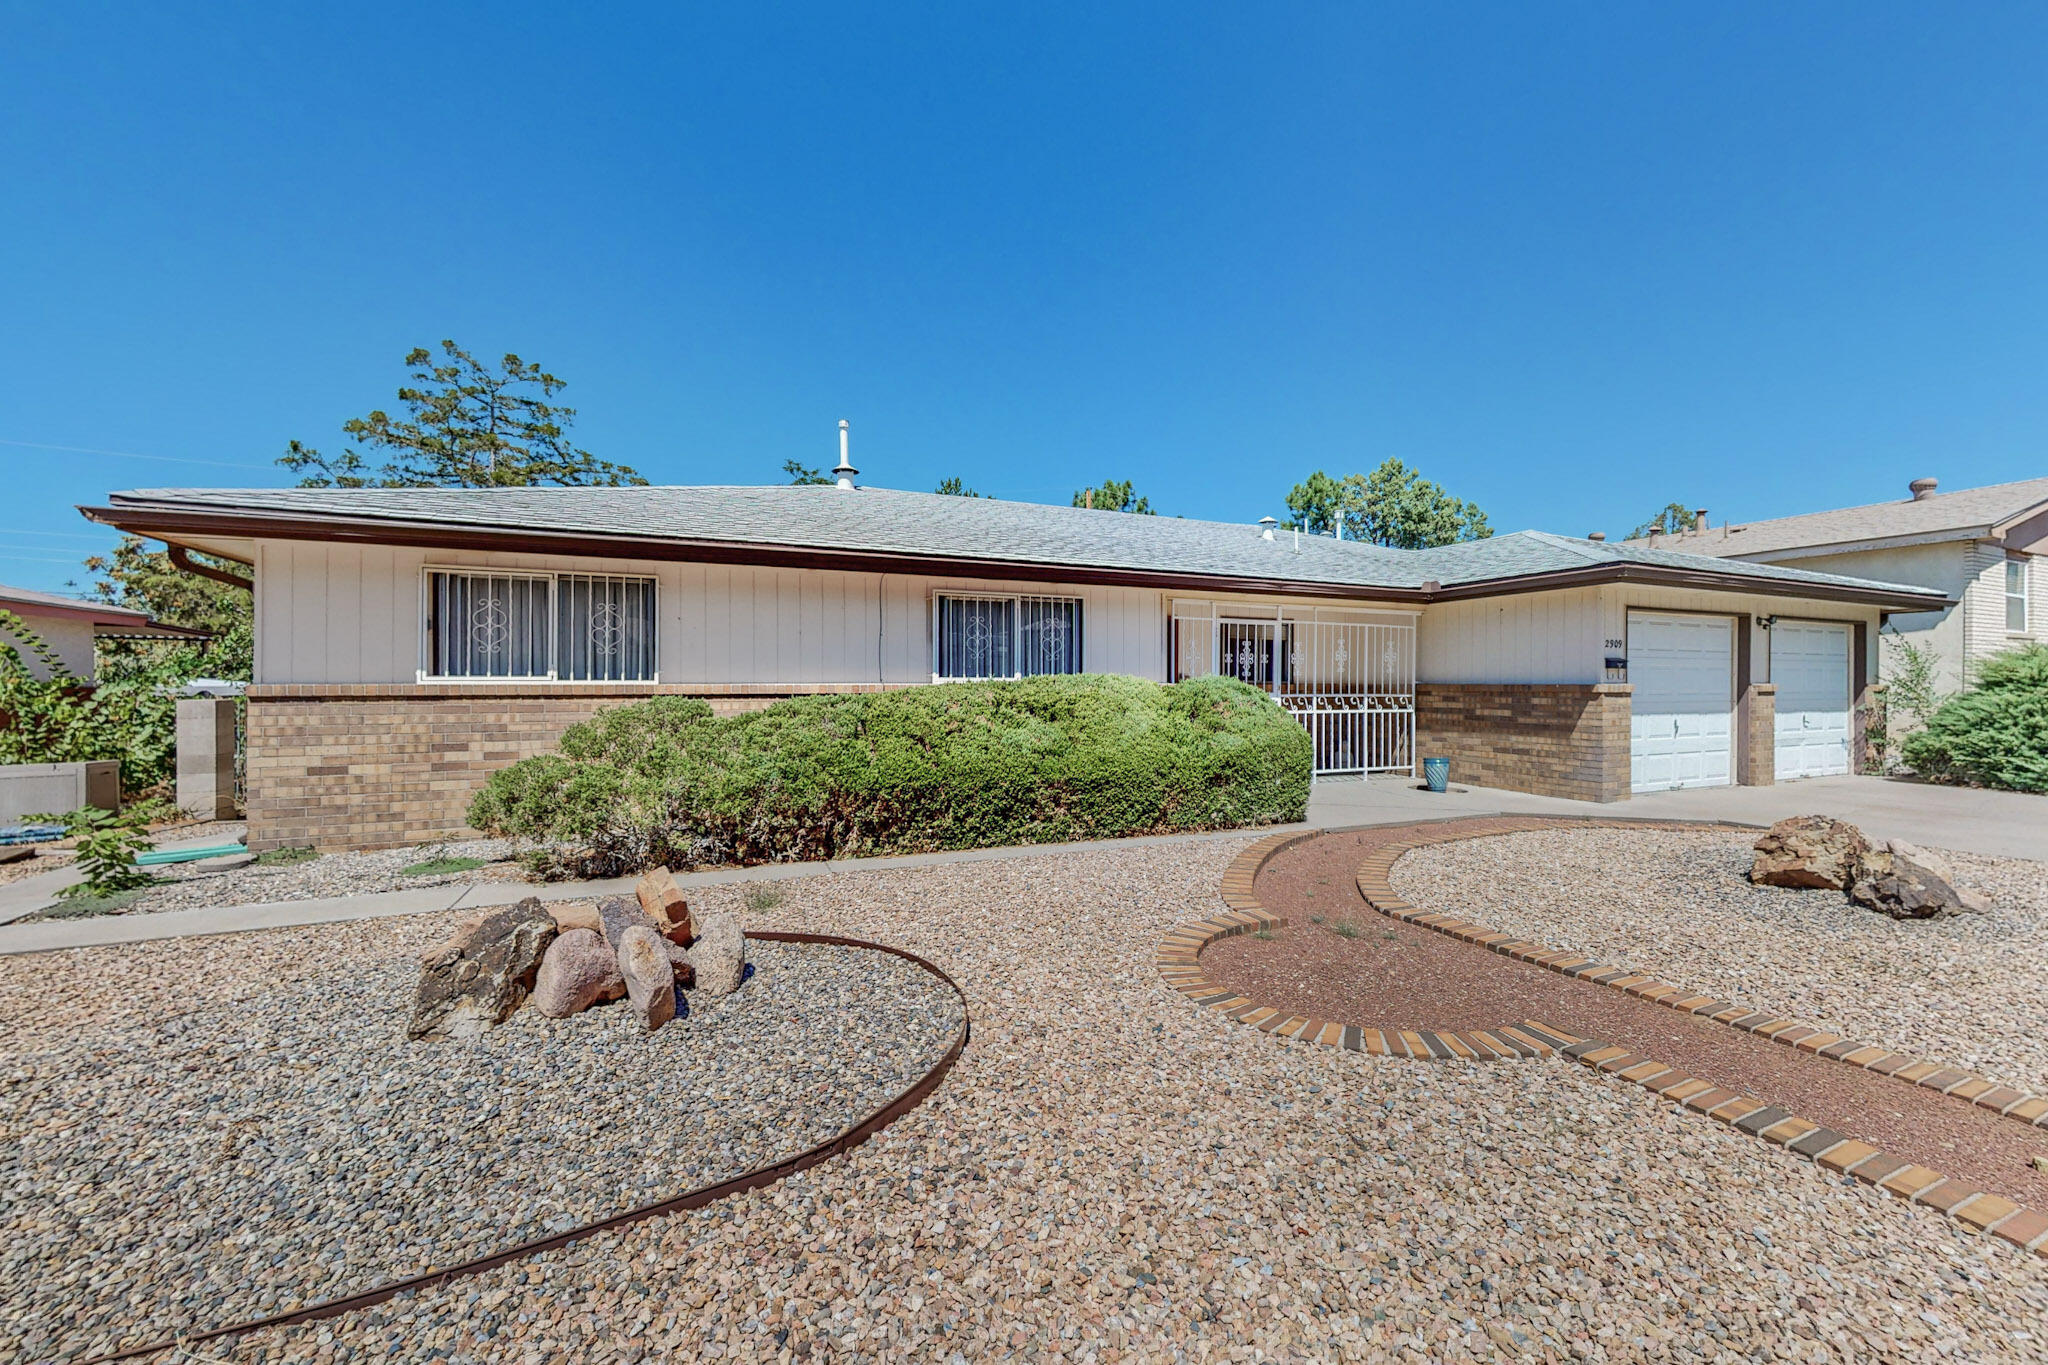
x=1572, y=261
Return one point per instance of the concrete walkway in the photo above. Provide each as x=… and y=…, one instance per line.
x=103, y=930
x=2000, y=824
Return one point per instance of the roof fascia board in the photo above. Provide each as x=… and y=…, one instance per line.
x=82, y=612
x=165, y=525
x=162, y=523
x=2027, y=534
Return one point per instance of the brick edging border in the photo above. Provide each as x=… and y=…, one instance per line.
x=2023, y=1226
x=1177, y=960
x=1375, y=885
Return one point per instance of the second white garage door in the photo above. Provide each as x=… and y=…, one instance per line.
x=1681, y=727
x=1810, y=665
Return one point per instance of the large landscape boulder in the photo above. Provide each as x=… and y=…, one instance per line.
x=1808, y=850
x=650, y=977
x=579, y=970
x=617, y=914
x=661, y=900
x=1900, y=886
x=720, y=954
x=475, y=980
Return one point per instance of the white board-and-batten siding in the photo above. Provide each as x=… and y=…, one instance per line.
x=331, y=613
x=335, y=613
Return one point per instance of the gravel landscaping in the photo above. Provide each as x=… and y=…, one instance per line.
x=260, y=1135
x=1111, y=1172
x=1969, y=990
x=185, y=886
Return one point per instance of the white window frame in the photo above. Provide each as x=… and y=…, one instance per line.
x=552, y=577
x=1016, y=601
x=2025, y=596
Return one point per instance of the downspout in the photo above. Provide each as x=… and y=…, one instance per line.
x=182, y=557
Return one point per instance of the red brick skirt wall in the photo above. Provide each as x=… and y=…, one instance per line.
x=374, y=766
x=1552, y=739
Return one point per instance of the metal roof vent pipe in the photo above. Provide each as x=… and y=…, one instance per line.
x=1266, y=525
x=1699, y=520
x=1923, y=488
x=844, y=470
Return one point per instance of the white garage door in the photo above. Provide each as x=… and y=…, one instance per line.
x=1682, y=723
x=1810, y=665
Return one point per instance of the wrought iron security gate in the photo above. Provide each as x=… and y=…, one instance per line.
x=1349, y=678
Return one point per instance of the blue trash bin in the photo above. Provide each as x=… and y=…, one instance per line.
x=1437, y=773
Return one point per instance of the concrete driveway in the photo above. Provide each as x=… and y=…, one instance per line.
x=2002, y=824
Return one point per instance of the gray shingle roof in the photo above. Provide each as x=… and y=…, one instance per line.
x=886, y=521
x=1958, y=513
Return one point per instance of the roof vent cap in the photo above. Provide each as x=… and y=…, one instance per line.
x=1266, y=525
x=1923, y=488
x=1596, y=535
x=844, y=470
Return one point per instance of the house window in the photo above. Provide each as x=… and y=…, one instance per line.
x=1005, y=637
x=2016, y=595
x=580, y=627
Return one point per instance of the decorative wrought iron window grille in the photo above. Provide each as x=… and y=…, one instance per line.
x=1004, y=637
x=538, y=627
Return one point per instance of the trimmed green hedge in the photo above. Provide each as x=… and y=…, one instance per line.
x=1994, y=735
x=958, y=765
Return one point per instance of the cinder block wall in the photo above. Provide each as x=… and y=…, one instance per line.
x=1551, y=739
x=358, y=766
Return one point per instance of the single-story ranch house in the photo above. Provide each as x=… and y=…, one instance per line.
x=411, y=641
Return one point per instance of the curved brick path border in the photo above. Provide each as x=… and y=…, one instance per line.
x=1179, y=951
x=1374, y=884
x=1178, y=960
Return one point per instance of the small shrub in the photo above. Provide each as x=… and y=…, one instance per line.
x=1344, y=929
x=286, y=857
x=961, y=765
x=1317, y=919
x=105, y=847
x=1264, y=934
x=1995, y=734
x=762, y=895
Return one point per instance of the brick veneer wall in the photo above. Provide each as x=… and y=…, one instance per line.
x=373, y=766
x=1552, y=739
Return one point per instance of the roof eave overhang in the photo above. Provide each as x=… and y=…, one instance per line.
x=176, y=525
x=1704, y=580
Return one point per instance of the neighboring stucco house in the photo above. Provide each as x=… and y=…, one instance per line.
x=1982, y=548
x=69, y=625
x=411, y=641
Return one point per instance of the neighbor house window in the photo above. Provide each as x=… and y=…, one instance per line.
x=581, y=627
x=2016, y=595
x=1005, y=637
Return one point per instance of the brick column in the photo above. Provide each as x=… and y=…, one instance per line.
x=1756, y=736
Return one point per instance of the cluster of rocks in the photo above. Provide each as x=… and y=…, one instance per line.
x=642, y=948
x=1892, y=876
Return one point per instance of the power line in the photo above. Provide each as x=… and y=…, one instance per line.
x=130, y=455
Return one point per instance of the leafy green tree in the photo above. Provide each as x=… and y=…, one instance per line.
x=470, y=426
x=1397, y=506
x=145, y=579
x=1393, y=505
x=60, y=718
x=804, y=474
x=955, y=488
x=1319, y=503
x=1675, y=517
x=1114, y=495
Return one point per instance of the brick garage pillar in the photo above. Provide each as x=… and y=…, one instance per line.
x=1550, y=739
x=1756, y=731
